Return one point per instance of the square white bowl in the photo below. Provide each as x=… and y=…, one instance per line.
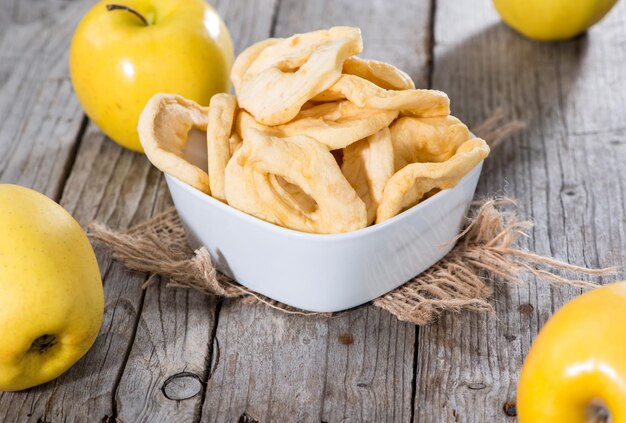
x=323, y=273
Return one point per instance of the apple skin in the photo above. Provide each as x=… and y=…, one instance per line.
x=578, y=361
x=552, y=20
x=117, y=62
x=51, y=296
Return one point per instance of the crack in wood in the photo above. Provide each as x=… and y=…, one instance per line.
x=245, y=418
x=69, y=164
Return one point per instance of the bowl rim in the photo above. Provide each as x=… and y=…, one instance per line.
x=292, y=233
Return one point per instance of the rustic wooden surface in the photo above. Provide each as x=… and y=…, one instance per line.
x=170, y=355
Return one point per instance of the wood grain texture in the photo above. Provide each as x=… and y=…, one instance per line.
x=248, y=21
x=566, y=171
x=164, y=375
x=160, y=377
x=170, y=355
x=41, y=119
x=358, y=366
x=119, y=188
x=168, y=363
x=270, y=366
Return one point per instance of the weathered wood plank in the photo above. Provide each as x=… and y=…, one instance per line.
x=119, y=188
x=41, y=119
x=168, y=364
x=359, y=365
x=275, y=367
x=164, y=375
x=565, y=170
x=248, y=21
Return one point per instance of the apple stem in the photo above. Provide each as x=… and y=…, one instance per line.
x=111, y=7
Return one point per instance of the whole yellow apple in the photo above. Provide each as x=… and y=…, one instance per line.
x=552, y=20
x=123, y=52
x=576, y=367
x=51, y=298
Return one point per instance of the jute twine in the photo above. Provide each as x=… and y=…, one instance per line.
x=485, y=254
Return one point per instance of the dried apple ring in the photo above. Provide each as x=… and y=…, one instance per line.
x=368, y=165
x=290, y=72
x=407, y=186
x=300, y=161
x=338, y=125
x=363, y=93
x=163, y=129
x=245, y=59
x=222, y=110
x=382, y=74
x=426, y=139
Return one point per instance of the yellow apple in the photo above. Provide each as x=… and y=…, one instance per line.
x=552, y=20
x=51, y=298
x=125, y=51
x=577, y=365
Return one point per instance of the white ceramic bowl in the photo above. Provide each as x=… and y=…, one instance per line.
x=324, y=273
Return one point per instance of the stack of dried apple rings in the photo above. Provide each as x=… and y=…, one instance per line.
x=317, y=139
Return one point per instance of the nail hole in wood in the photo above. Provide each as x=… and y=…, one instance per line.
x=510, y=409
x=182, y=386
x=526, y=309
x=346, y=339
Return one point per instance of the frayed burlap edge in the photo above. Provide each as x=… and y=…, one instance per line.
x=462, y=280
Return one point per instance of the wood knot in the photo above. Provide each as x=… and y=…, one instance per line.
x=571, y=190
x=182, y=386
x=510, y=409
x=476, y=386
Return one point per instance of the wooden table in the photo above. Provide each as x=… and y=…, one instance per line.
x=173, y=355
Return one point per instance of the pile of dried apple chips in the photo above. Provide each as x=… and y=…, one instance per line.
x=317, y=139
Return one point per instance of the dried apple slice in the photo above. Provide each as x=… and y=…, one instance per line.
x=426, y=139
x=288, y=73
x=337, y=125
x=245, y=59
x=363, y=93
x=382, y=74
x=164, y=125
x=408, y=186
x=300, y=161
x=222, y=110
x=368, y=165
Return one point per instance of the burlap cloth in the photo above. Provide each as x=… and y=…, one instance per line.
x=485, y=254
